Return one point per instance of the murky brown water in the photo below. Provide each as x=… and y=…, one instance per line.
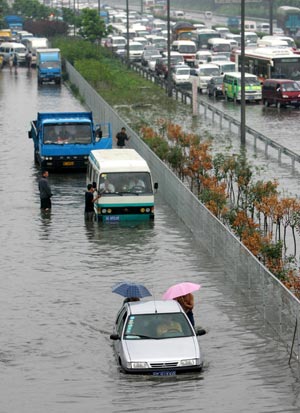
x=57, y=309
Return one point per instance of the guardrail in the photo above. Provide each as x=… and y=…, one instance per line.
x=208, y=110
x=277, y=305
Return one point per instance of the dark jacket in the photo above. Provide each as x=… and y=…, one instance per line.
x=44, y=188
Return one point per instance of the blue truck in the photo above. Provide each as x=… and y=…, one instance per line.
x=48, y=64
x=63, y=141
x=288, y=19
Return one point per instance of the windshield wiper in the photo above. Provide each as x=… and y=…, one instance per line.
x=140, y=336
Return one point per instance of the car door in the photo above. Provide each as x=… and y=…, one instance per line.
x=119, y=326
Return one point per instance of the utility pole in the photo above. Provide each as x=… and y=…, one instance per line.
x=271, y=16
x=243, y=103
x=127, y=32
x=169, y=85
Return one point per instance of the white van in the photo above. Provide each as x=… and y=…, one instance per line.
x=289, y=41
x=187, y=48
x=124, y=183
x=202, y=56
x=250, y=25
x=8, y=48
x=219, y=45
x=204, y=73
x=270, y=41
x=251, y=38
x=263, y=27
x=135, y=51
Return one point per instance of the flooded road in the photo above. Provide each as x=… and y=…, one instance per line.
x=57, y=309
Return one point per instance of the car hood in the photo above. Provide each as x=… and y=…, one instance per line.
x=162, y=350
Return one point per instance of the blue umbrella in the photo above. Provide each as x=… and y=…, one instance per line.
x=130, y=289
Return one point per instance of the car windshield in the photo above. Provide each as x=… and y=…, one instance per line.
x=251, y=81
x=290, y=87
x=187, y=49
x=157, y=326
x=136, y=47
x=217, y=80
x=208, y=72
x=228, y=67
x=183, y=72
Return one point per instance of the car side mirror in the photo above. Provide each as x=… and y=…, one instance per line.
x=29, y=134
x=114, y=337
x=156, y=186
x=200, y=332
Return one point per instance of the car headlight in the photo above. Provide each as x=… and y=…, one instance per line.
x=188, y=362
x=285, y=96
x=137, y=365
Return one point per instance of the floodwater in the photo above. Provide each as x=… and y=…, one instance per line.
x=57, y=309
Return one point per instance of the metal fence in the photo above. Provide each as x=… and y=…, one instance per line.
x=224, y=120
x=277, y=305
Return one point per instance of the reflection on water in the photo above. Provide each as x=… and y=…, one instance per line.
x=57, y=309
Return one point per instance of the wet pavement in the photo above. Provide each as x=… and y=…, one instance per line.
x=57, y=309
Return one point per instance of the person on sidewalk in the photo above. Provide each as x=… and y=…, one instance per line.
x=121, y=138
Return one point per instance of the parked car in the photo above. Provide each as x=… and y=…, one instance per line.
x=156, y=337
x=215, y=87
x=281, y=92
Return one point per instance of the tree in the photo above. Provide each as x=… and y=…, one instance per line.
x=32, y=9
x=92, y=26
x=3, y=11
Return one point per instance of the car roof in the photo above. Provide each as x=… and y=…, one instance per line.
x=155, y=306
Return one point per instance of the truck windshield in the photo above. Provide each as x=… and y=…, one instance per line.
x=121, y=183
x=67, y=133
x=46, y=65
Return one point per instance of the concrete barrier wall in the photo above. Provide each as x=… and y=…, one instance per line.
x=277, y=305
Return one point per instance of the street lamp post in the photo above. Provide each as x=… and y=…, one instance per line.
x=169, y=85
x=127, y=32
x=243, y=105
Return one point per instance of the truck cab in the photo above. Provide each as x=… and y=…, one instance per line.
x=64, y=140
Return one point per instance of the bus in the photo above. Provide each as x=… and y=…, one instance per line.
x=124, y=182
x=270, y=63
x=201, y=37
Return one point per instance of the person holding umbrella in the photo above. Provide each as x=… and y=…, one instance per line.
x=187, y=303
x=131, y=291
x=183, y=294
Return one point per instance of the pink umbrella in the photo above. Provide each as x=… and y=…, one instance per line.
x=178, y=290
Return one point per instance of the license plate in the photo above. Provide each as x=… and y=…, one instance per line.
x=251, y=97
x=112, y=218
x=164, y=373
x=69, y=163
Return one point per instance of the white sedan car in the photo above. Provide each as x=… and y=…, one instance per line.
x=157, y=338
